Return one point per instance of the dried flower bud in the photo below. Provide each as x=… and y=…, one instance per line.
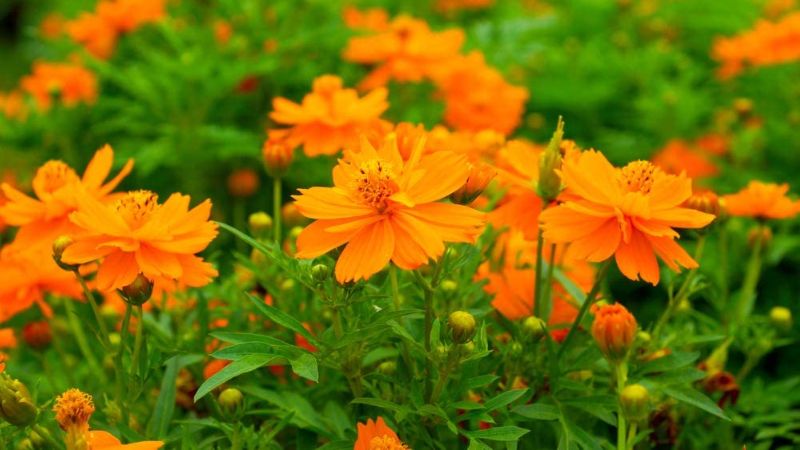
x=138, y=292
x=37, y=334
x=16, y=405
x=534, y=327
x=59, y=245
x=462, y=325
x=635, y=402
x=781, y=318
x=549, y=164
x=480, y=175
x=260, y=223
x=243, y=183
x=231, y=400
x=614, y=329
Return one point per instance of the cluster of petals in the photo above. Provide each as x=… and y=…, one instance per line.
x=371, y=19
x=375, y=434
x=762, y=201
x=406, y=50
x=330, y=117
x=387, y=208
x=680, y=156
x=767, y=43
x=98, y=31
x=628, y=212
x=71, y=83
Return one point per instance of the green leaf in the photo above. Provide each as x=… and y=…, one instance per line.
x=503, y=399
x=502, y=434
x=378, y=403
x=538, y=411
x=480, y=381
x=281, y=318
x=241, y=366
x=306, y=366
x=672, y=361
x=242, y=338
x=165, y=404
x=694, y=398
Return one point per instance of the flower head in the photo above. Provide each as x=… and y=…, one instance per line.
x=763, y=201
x=331, y=117
x=373, y=19
x=12, y=105
x=767, y=43
x=72, y=84
x=136, y=234
x=57, y=187
x=613, y=329
x=386, y=209
x=73, y=409
x=677, y=156
x=628, y=212
x=376, y=435
x=406, y=50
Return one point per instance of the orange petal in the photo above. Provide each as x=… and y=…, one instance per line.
x=367, y=253
x=636, y=258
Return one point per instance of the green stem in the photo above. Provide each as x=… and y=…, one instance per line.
x=122, y=380
x=723, y=267
x=137, y=346
x=236, y=441
x=453, y=358
x=44, y=434
x=276, y=208
x=80, y=338
x=537, y=279
x=548, y=284
x=587, y=302
x=90, y=298
x=683, y=291
x=621, y=370
x=395, y=287
x=632, y=435
x=748, y=294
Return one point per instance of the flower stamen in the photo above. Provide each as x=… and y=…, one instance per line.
x=637, y=176
x=376, y=183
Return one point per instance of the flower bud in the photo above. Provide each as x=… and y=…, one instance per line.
x=260, y=223
x=549, y=163
x=16, y=405
x=138, y=292
x=37, y=334
x=230, y=400
x=387, y=367
x=761, y=234
x=243, y=183
x=614, y=329
x=743, y=106
x=580, y=375
x=707, y=202
x=287, y=284
x=462, y=325
x=468, y=348
x=277, y=153
x=635, y=402
x=59, y=245
x=295, y=232
x=449, y=287
x=291, y=215
x=480, y=175
x=781, y=318
x=320, y=273
x=534, y=327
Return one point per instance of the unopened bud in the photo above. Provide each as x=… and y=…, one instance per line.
x=643, y=336
x=320, y=273
x=138, y=292
x=614, y=329
x=684, y=306
x=635, y=402
x=260, y=223
x=480, y=175
x=243, y=183
x=462, y=325
x=534, y=327
x=781, y=318
x=278, y=154
x=449, y=287
x=743, y=106
x=230, y=400
x=16, y=405
x=295, y=232
x=37, y=334
x=468, y=348
x=549, y=163
x=287, y=284
x=387, y=367
x=59, y=245
x=707, y=202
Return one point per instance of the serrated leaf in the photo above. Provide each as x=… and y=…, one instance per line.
x=241, y=366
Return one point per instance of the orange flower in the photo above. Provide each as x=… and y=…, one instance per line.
x=12, y=105
x=613, y=329
x=243, y=183
x=277, y=153
x=73, y=84
x=136, y=235
x=27, y=276
x=377, y=435
x=628, y=212
x=373, y=19
x=330, y=117
x=385, y=209
x=455, y=5
x=482, y=145
x=677, y=156
x=477, y=97
x=407, y=50
x=52, y=26
x=762, y=201
x=103, y=440
x=57, y=186
x=94, y=33
x=222, y=31
x=7, y=338
x=767, y=43
x=128, y=15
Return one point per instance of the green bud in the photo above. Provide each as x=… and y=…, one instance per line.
x=449, y=286
x=387, y=367
x=462, y=325
x=320, y=273
x=230, y=400
x=781, y=318
x=550, y=161
x=287, y=285
x=635, y=402
x=260, y=223
x=16, y=405
x=534, y=327
x=59, y=245
x=469, y=347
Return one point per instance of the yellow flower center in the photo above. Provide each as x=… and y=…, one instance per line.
x=376, y=183
x=54, y=175
x=386, y=442
x=73, y=409
x=136, y=206
x=637, y=176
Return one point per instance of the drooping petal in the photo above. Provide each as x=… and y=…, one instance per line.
x=637, y=258
x=672, y=253
x=453, y=223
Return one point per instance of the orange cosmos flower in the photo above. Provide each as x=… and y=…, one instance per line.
x=628, y=212
x=407, y=50
x=128, y=15
x=57, y=186
x=27, y=276
x=677, y=156
x=136, y=235
x=7, y=338
x=477, y=97
x=767, y=43
x=385, y=209
x=94, y=33
x=481, y=145
x=12, y=105
x=73, y=84
x=373, y=19
x=330, y=117
x=762, y=201
x=377, y=435
x=52, y=26
x=222, y=31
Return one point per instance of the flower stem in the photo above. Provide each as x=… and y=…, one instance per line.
x=547, y=297
x=395, y=287
x=137, y=346
x=80, y=337
x=90, y=298
x=587, y=302
x=276, y=208
x=747, y=297
x=621, y=369
x=453, y=358
x=632, y=435
x=537, y=279
x=121, y=376
x=41, y=431
x=683, y=291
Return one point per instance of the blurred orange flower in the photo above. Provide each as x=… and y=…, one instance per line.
x=477, y=96
x=330, y=117
x=628, y=212
x=377, y=435
x=12, y=105
x=98, y=31
x=455, y=5
x=386, y=209
x=52, y=26
x=767, y=43
x=136, y=235
x=57, y=186
x=373, y=19
x=762, y=201
x=407, y=50
x=7, y=338
x=94, y=33
x=72, y=84
x=678, y=156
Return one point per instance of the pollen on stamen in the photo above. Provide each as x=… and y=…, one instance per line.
x=386, y=442
x=136, y=206
x=638, y=176
x=376, y=183
x=73, y=409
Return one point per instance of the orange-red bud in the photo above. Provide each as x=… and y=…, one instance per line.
x=614, y=330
